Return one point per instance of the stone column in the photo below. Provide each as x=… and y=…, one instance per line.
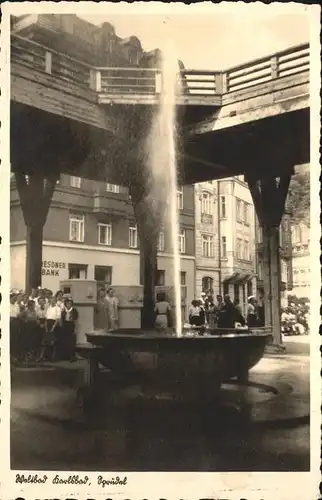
x=148, y=221
x=35, y=193
x=269, y=197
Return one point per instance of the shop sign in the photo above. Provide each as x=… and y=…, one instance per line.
x=52, y=268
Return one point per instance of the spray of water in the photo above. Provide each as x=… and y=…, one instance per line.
x=162, y=163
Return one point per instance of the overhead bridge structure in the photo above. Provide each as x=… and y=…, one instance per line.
x=72, y=117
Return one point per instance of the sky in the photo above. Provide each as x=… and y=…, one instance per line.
x=213, y=41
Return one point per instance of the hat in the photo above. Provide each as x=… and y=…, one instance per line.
x=251, y=297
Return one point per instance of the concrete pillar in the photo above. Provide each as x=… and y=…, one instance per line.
x=275, y=265
x=269, y=197
x=35, y=192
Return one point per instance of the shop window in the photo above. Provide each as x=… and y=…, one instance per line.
x=103, y=274
x=77, y=271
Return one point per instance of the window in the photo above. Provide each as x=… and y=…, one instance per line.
x=260, y=271
x=180, y=198
x=226, y=288
x=207, y=284
x=75, y=182
x=112, y=188
x=182, y=242
x=246, y=213
x=105, y=234
x=161, y=242
x=223, y=206
x=224, y=247
x=246, y=250
x=160, y=278
x=206, y=204
x=133, y=236
x=207, y=242
x=76, y=227
x=103, y=274
x=77, y=271
x=239, y=248
x=183, y=278
x=260, y=234
x=239, y=210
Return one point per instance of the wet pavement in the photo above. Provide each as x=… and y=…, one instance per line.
x=50, y=431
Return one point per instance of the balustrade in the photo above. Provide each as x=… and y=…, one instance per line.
x=148, y=81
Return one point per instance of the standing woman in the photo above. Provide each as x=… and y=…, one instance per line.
x=69, y=318
x=112, y=308
x=41, y=310
x=53, y=323
x=196, y=313
x=101, y=312
x=162, y=312
x=252, y=318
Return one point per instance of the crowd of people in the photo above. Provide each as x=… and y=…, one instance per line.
x=295, y=319
x=43, y=325
x=224, y=313
x=205, y=312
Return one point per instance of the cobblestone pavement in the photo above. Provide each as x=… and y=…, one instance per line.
x=49, y=430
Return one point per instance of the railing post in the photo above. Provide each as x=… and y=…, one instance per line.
x=225, y=83
x=158, y=83
x=48, y=62
x=95, y=80
x=274, y=67
x=218, y=83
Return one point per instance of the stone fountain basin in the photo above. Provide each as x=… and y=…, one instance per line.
x=217, y=355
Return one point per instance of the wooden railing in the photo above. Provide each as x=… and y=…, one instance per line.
x=148, y=81
x=288, y=62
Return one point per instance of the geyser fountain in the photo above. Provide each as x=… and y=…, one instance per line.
x=162, y=166
x=185, y=362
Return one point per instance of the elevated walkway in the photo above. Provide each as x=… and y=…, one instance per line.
x=56, y=83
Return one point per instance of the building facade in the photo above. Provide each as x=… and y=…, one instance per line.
x=225, y=239
x=301, y=260
x=91, y=233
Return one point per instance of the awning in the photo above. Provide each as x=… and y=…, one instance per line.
x=238, y=278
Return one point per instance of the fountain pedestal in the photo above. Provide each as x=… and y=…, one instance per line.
x=189, y=367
